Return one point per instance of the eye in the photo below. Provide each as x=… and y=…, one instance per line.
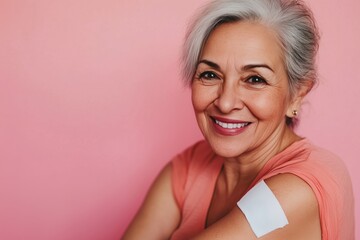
x=256, y=80
x=208, y=78
x=208, y=75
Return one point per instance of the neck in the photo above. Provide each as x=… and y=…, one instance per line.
x=240, y=171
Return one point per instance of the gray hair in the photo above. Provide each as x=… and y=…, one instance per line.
x=292, y=20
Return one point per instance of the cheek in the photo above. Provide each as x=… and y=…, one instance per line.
x=196, y=100
x=268, y=106
x=202, y=97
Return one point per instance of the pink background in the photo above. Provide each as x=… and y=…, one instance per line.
x=91, y=108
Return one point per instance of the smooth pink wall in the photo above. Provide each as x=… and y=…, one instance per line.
x=91, y=108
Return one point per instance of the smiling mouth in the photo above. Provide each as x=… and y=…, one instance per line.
x=228, y=125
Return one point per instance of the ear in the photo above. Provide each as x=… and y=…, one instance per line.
x=296, y=100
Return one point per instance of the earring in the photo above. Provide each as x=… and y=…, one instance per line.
x=295, y=113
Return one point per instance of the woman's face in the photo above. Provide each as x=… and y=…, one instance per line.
x=240, y=90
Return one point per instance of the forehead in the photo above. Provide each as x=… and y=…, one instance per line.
x=246, y=41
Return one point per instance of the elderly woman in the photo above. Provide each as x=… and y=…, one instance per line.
x=249, y=64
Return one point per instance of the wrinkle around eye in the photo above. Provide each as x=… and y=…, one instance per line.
x=208, y=77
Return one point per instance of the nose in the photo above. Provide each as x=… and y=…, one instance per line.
x=229, y=98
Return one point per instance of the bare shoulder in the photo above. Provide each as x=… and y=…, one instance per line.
x=159, y=214
x=298, y=202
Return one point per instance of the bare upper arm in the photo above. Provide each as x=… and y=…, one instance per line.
x=159, y=214
x=298, y=202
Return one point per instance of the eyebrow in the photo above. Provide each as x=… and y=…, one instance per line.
x=244, y=68
x=251, y=66
x=209, y=63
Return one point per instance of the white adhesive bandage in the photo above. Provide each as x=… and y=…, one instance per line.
x=262, y=210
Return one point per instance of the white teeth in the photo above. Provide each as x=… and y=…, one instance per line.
x=230, y=125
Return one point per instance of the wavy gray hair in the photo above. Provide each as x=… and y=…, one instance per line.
x=292, y=20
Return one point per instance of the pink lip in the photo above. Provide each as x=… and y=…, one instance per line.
x=226, y=131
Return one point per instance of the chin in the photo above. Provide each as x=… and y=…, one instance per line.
x=226, y=150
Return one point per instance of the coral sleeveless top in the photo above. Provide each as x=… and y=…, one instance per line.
x=195, y=172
